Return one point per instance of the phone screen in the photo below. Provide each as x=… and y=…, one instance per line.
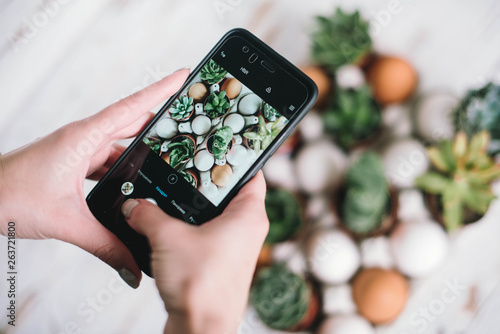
x=233, y=112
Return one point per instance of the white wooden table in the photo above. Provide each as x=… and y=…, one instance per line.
x=64, y=60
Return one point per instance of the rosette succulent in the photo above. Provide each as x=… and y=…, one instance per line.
x=222, y=138
x=462, y=178
x=366, y=195
x=188, y=177
x=181, y=108
x=212, y=72
x=283, y=211
x=480, y=110
x=353, y=116
x=153, y=143
x=180, y=151
x=270, y=113
x=217, y=104
x=340, y=39
x=267, y=133
x=280, y=297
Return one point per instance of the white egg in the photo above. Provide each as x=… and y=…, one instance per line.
x=235, y=121
x=433, y=116
x=346, y=324
x=291, y=254
x=320, y=167
x=237, y=155
x=279, y=172
x=332, y=256
x=166, y=128
x=249, y=104
x=337, y=299
x=376, y=252
x=204, y=160
x=349, y=76
x=419, y=247
x=404, y=161
x=311, y=127
x=201, y=125
x=411, y=205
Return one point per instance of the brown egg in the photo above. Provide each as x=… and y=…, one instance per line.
x=380, y=295
x=232, y=87
x=393, y=80
x=221, y=175
x=322, y=80
x=265, y=256
x=198, y=91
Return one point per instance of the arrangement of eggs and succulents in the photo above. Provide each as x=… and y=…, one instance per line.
x=378, y=177
x=214, y=131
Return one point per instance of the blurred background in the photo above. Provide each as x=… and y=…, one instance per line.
x=63, y=60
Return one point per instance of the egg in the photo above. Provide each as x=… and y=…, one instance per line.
x=198, y=91
x=166, y=128
x=320, y=167
x=249, y=104
x=380, y=295
x=203, y=160
x=237, y=155
x=345, y=324
x=235, y=121
x=349, y=76
x=322, y=81
x=404, y=160
x=201, y=125
x=221, y=175
x=232, y=87
x=279, y=172
x=291, y=254
x=311, y=127
x=433, y=116
x=332, y=256
x=419, y=247
x=392, y=79
x=337, y=299
x=376, y=252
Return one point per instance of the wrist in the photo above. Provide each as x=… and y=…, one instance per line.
x=199, y=324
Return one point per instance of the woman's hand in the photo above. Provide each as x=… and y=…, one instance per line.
x=204, y=272
x=41, y=184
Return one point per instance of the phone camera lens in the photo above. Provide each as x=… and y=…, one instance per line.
x=246, y=49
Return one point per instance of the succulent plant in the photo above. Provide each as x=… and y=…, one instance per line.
x=153, y=143
x=188, y=177
x=180, y=151
x=217, y=104
x=353, y=116
x=267, y=133
x=480, y=110
x=181, y=108
x=212, y=72
x=340, y=39
x=283, y=211
x=222, y=138
x=270, y=113
x=280, y=297
x=463, y=176
x=367, y=195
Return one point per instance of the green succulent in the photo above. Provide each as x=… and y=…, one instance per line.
x=188, y=177
x=366, y=198
x=153, y=143
x=480, y=110
x=180, y=151
x=212, y=72
x=267, y=133
x=270, y=113
x=222, y=138
x=280, y=297
x=181, y=108
x=353, y=116
x=283, y=211
x=217, y=104
x=340, y=39
x=463, y=176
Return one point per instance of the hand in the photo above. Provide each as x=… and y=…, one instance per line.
x=41, y=184
x=204, y=272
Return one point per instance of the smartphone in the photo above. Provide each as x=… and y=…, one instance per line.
x=234, y=110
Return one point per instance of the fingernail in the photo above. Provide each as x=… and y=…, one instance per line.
x=128, y=206
x=129, y=278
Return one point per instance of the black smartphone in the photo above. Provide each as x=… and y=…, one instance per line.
x=208, y=140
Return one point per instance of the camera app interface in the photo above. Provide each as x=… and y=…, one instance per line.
x=214, y=132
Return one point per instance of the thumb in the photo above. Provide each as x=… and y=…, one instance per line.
x=149, y=220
